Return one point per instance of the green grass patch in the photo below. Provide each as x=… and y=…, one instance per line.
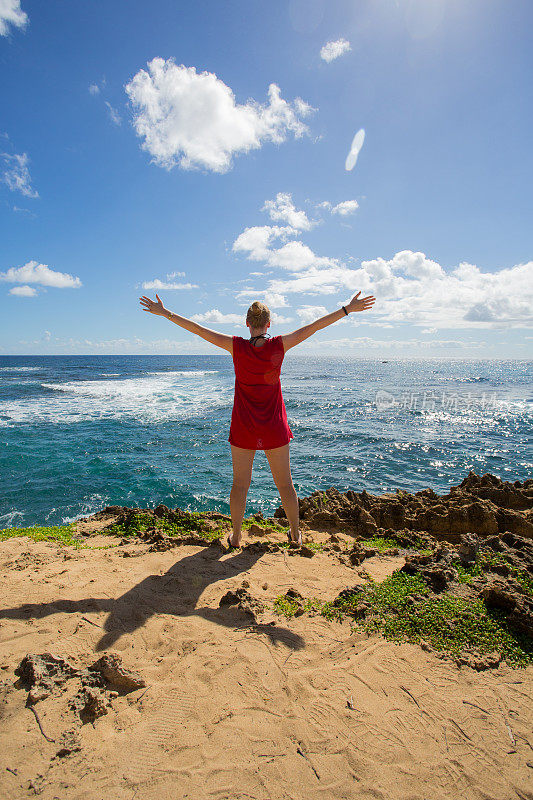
x=448, y=623
x=190, y=522
x=384, y=543
x=288, y=607
x=263, y=523
x=315, y=546
x=378, y=543
x=62, y=534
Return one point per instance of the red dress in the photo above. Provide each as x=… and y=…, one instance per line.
x=259, y=418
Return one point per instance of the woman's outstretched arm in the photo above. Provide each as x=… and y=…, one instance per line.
x=219, y=339
x=292, y=339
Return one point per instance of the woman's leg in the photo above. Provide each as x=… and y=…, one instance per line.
x=242, y=475
x=280, y=465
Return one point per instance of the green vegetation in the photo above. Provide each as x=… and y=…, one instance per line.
x=65, y=535
x=263, y=523
x=189, y=522
x=315, y=546
x=448, y=623
x=485, y=561
x=378, y=543
x=62, y=534
x=386, y=543
x=290, y=607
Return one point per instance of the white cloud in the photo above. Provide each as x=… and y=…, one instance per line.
x=311, y=313
x=414, y=289
x=214, y=315
x=345, y=208
x=294, y=255
x=192, y=119
x=95, y=90
x=271, y=299
x=219, y=318
x=171, y=275
x=256, y=240
x=16, y=174
x=367, y=342
x=11, y=14
x=159, y=285
x=333, y=50
x=409, y=287
x=114, y=116
x=33, y=272
x=282, y=209
x=23, y=291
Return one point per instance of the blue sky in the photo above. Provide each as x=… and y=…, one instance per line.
x=140, y=143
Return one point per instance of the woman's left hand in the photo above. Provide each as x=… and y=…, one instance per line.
x=153, y=307
x=363, y=304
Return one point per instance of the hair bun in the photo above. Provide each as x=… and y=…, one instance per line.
x=258, y=315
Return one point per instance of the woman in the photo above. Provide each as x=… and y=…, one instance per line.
x=259, y=419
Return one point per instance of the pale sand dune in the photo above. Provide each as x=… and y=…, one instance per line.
x=237, y=709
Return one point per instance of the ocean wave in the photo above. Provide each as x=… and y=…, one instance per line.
x=185, y=372
x=161, y=397
x=468, y=379
x=19, y=369
x=6, y=520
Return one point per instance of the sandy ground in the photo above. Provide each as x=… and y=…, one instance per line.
x=293, y=709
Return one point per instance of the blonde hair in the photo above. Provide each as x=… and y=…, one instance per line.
x=258, y=315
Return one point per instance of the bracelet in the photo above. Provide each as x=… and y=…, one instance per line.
x=345, y=311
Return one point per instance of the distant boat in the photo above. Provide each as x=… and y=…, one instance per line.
x=384, y=362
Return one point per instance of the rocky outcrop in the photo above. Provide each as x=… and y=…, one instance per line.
x=244, y=601
x=485, y=506
x=42, y=674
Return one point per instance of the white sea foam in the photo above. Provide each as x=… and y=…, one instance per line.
x=7, y=520
x=186, y=372
x=152, y=397
x=19, y=369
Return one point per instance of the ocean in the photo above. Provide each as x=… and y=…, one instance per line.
x=81, y=432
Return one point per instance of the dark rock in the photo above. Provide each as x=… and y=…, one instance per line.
x=162, y=511
x=436, y=569
x=509, y=598
x=483, y=506
x=468, y=548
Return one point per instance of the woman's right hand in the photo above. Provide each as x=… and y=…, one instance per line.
x=153, y=307
x=360, y=305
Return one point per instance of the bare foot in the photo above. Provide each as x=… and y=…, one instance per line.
x=235, y=541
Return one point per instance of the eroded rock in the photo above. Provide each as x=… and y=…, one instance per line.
x=111, y=668
x=89, y=703
x=484, y=506
x=244, y=600
x=43, y=673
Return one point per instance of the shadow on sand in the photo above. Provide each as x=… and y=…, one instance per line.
x=176, y=593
